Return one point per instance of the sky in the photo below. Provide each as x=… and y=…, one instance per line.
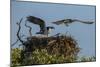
x=50, y=12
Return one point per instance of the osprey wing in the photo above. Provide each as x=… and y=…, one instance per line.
x=37, y=21
x=58, y=22
x=86, y=22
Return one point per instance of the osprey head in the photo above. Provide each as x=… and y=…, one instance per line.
x=49, y=28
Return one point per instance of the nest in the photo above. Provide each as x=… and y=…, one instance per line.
x=60, y=45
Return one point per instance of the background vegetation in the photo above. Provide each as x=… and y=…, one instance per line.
x=50, y=50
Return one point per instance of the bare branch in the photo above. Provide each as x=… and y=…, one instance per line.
x=30, y=28
x=16, y=41
x=19, y=24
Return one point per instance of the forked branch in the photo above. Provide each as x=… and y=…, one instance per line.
x=19, y=25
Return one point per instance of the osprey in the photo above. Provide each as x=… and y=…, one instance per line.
x=69, y=21
x=46, y=30
x=43, y=29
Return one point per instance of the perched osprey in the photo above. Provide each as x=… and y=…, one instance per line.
x=68, y=21
x=47, y=31
x=43, y=29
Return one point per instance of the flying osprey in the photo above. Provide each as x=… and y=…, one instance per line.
x=43, y=29
x=69, y=21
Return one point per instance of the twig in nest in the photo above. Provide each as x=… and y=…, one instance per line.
x=51, y=42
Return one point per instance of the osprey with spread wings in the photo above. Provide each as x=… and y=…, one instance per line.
x=45, y=30
x=69, y=21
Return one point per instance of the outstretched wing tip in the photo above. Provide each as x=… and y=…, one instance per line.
x=90, y=22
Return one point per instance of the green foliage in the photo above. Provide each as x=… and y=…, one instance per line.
x=40, y=57
x=43, y=57
x=15, y=56
x=87, y=59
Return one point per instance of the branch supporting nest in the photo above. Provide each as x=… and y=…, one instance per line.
x=19, y=38
x=16, y=41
